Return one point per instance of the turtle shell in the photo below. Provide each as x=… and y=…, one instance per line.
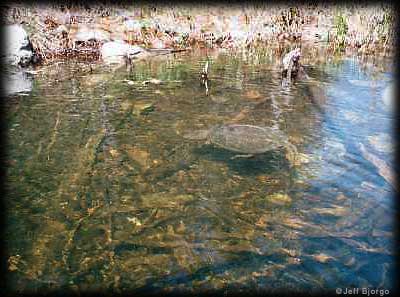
x=247, y=139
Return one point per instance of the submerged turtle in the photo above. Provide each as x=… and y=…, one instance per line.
x=248, y=140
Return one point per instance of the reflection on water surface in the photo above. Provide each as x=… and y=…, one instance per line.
x=106, y=193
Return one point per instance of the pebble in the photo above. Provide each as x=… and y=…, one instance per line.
x=134, y=221
x=279, y=198
x=322, y=258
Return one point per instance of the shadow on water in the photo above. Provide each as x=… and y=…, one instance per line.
x=265, y=163
x=250, y=259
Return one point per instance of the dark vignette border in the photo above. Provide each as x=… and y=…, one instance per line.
x=6, y=291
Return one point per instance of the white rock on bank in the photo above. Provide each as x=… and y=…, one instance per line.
x=118, y=51
x=17, y=49
x=85, y=33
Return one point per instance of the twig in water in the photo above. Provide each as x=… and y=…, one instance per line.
x=53, y=137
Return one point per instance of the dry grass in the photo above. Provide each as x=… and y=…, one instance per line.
x=366, y=29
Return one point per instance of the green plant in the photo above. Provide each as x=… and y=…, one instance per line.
x=341, y=29
x=341, y=25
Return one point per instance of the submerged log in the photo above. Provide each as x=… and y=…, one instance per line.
x=318, y=95
x=384, y=169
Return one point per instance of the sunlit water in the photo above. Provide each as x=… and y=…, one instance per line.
x=105, y=193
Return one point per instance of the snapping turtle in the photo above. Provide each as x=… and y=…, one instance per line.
x=248, y=140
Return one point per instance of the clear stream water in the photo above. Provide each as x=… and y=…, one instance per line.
x=105, y=193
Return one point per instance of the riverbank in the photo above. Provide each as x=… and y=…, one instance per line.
x=76, y=30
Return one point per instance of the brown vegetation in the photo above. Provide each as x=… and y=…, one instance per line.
x=68, y=30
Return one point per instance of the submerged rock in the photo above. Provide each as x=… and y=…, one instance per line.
x=318, y=94
x=388, y=96
x=384, y=169
x=360, y=83
x=18, y=49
